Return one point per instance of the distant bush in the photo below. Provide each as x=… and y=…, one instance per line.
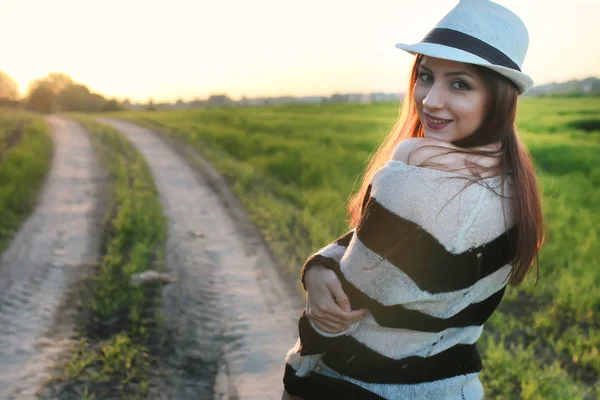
x=587, y=125
x=58, y=92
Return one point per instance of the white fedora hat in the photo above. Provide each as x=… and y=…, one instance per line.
x=479, y=32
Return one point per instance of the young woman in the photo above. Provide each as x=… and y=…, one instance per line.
x=447, y=215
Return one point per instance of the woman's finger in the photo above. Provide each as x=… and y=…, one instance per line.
x=328, y=327
x=336, y=314
x=326, y=312
x=326, y=299
x=329, y=309
x=329, y=318
x=323, y=319
x=341, y=309
x=340, y=297
x=326, y=320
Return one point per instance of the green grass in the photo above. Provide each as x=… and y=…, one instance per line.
x=295, y=166
x=25, y=156
x=119, y=320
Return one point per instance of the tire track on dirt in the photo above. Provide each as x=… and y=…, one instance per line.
x=52, y=250
x=234, y=315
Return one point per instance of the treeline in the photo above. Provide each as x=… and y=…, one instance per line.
x=53, y=93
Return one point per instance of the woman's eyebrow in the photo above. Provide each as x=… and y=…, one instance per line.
x=453, y=73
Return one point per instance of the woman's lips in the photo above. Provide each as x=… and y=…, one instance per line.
x=433, y=125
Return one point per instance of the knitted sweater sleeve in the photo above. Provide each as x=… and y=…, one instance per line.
x=328, y=256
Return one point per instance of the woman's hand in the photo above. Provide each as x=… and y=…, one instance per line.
x=327, y=306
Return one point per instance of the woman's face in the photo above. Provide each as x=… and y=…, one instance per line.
x=450, y=91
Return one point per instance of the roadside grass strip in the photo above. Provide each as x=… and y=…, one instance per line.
x=294, y=167
x=25, y=157
x=119, y=322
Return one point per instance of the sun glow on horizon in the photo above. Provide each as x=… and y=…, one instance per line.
x=191, y=49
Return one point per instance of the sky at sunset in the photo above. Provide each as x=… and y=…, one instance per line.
x=190, y=49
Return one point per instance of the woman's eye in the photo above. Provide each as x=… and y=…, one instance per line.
x=461, y=85
x=424, y=77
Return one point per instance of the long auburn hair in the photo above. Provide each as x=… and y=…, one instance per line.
x=516, y=162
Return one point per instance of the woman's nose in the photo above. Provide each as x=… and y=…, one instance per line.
x=434, y=98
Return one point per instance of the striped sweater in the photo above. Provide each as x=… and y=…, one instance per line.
x=430, y=261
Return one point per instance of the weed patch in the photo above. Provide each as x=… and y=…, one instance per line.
x=25, y=157
x=119, y=323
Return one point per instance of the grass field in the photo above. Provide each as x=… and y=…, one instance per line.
x=25, y=156
x=295, y=166
x=118, y=323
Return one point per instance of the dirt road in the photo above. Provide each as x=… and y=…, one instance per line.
x=235, y=317
x=53, y=249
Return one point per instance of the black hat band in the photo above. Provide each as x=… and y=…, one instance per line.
x=462, y=41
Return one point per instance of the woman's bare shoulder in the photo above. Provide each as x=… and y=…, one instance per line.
x=415, y=151
x=438, y=154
